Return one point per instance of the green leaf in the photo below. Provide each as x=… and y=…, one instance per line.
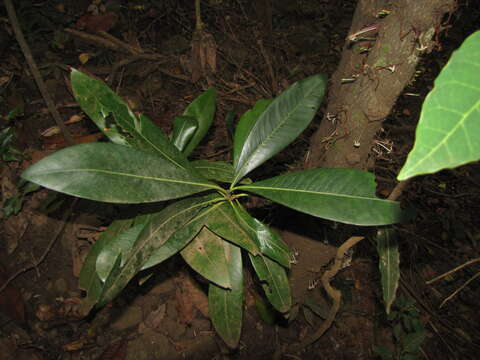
x=117, y=246
x=203, y=110
x=264, y=309
x=154, y=234
x=229, y=121
x=271, y=244
x=114, y=173
x=218, y=171
x=389, y=265
x=413, y=341
x=225, y=223
x=89, y=279
x=344, y=195
x=286, y=117
x=245, y=125
x=180, y=238
x=183, y=129
x=206, y=254
x=274, y=282
x=226, y=305
x=448, y=131
x=114, y=118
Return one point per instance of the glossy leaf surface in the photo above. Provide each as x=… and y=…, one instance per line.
x=118, y=246
x=286, y=117
x=389, y=265
x=274, y=282
x=448, y=131
x=114, y=173
x=245, y=125
x=203, y=110
x=270, y=243
x=183, y=129
x=344, y=195
x=180, y=238
x=89, y=279
x=114, y=118
x=225, y=223
x=226, y=305
x=206, y=254
x=154, y=234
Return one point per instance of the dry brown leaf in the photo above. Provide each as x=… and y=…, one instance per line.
x=155, y=318
x=204, y=54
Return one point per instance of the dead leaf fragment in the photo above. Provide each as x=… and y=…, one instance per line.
x=155, y=318
x=204, y=54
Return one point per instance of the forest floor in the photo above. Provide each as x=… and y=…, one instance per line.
x=45, y=236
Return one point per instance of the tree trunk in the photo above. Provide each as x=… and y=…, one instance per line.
x=371, y=76
x=362, y=92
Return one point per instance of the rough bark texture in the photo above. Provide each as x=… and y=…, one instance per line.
x=356, y=109
x=354, y=115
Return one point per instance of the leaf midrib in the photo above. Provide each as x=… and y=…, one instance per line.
x=51, y=172
x=135, y=251
x=272, y=134
x=133, y=130
x=459, y=124
x=251, y=188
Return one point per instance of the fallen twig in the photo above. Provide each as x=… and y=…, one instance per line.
x=335, y=294
x=35, y=72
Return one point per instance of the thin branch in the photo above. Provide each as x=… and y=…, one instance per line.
x=460, y=267
x=35, y=72
x=460, y=289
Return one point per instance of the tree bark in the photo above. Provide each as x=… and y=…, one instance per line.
x=367, y=83
x=362, y=93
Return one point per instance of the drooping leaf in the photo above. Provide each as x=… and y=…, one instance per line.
x=274, y=282
x=264, y=309
x=283, y=120
x=225, y=223
x=226, y=305
x=448, y=131
x=389, y=265
x=203, y=110
x=344, y=195
x=117, y=246
x=245, y=125
x=180, y=238
x=115, y=173
x=120, y=245
x=183, y=129
x=89, y=279
x=206, y=254
x=154, y=234
x=114, y=118
x=270, y=243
